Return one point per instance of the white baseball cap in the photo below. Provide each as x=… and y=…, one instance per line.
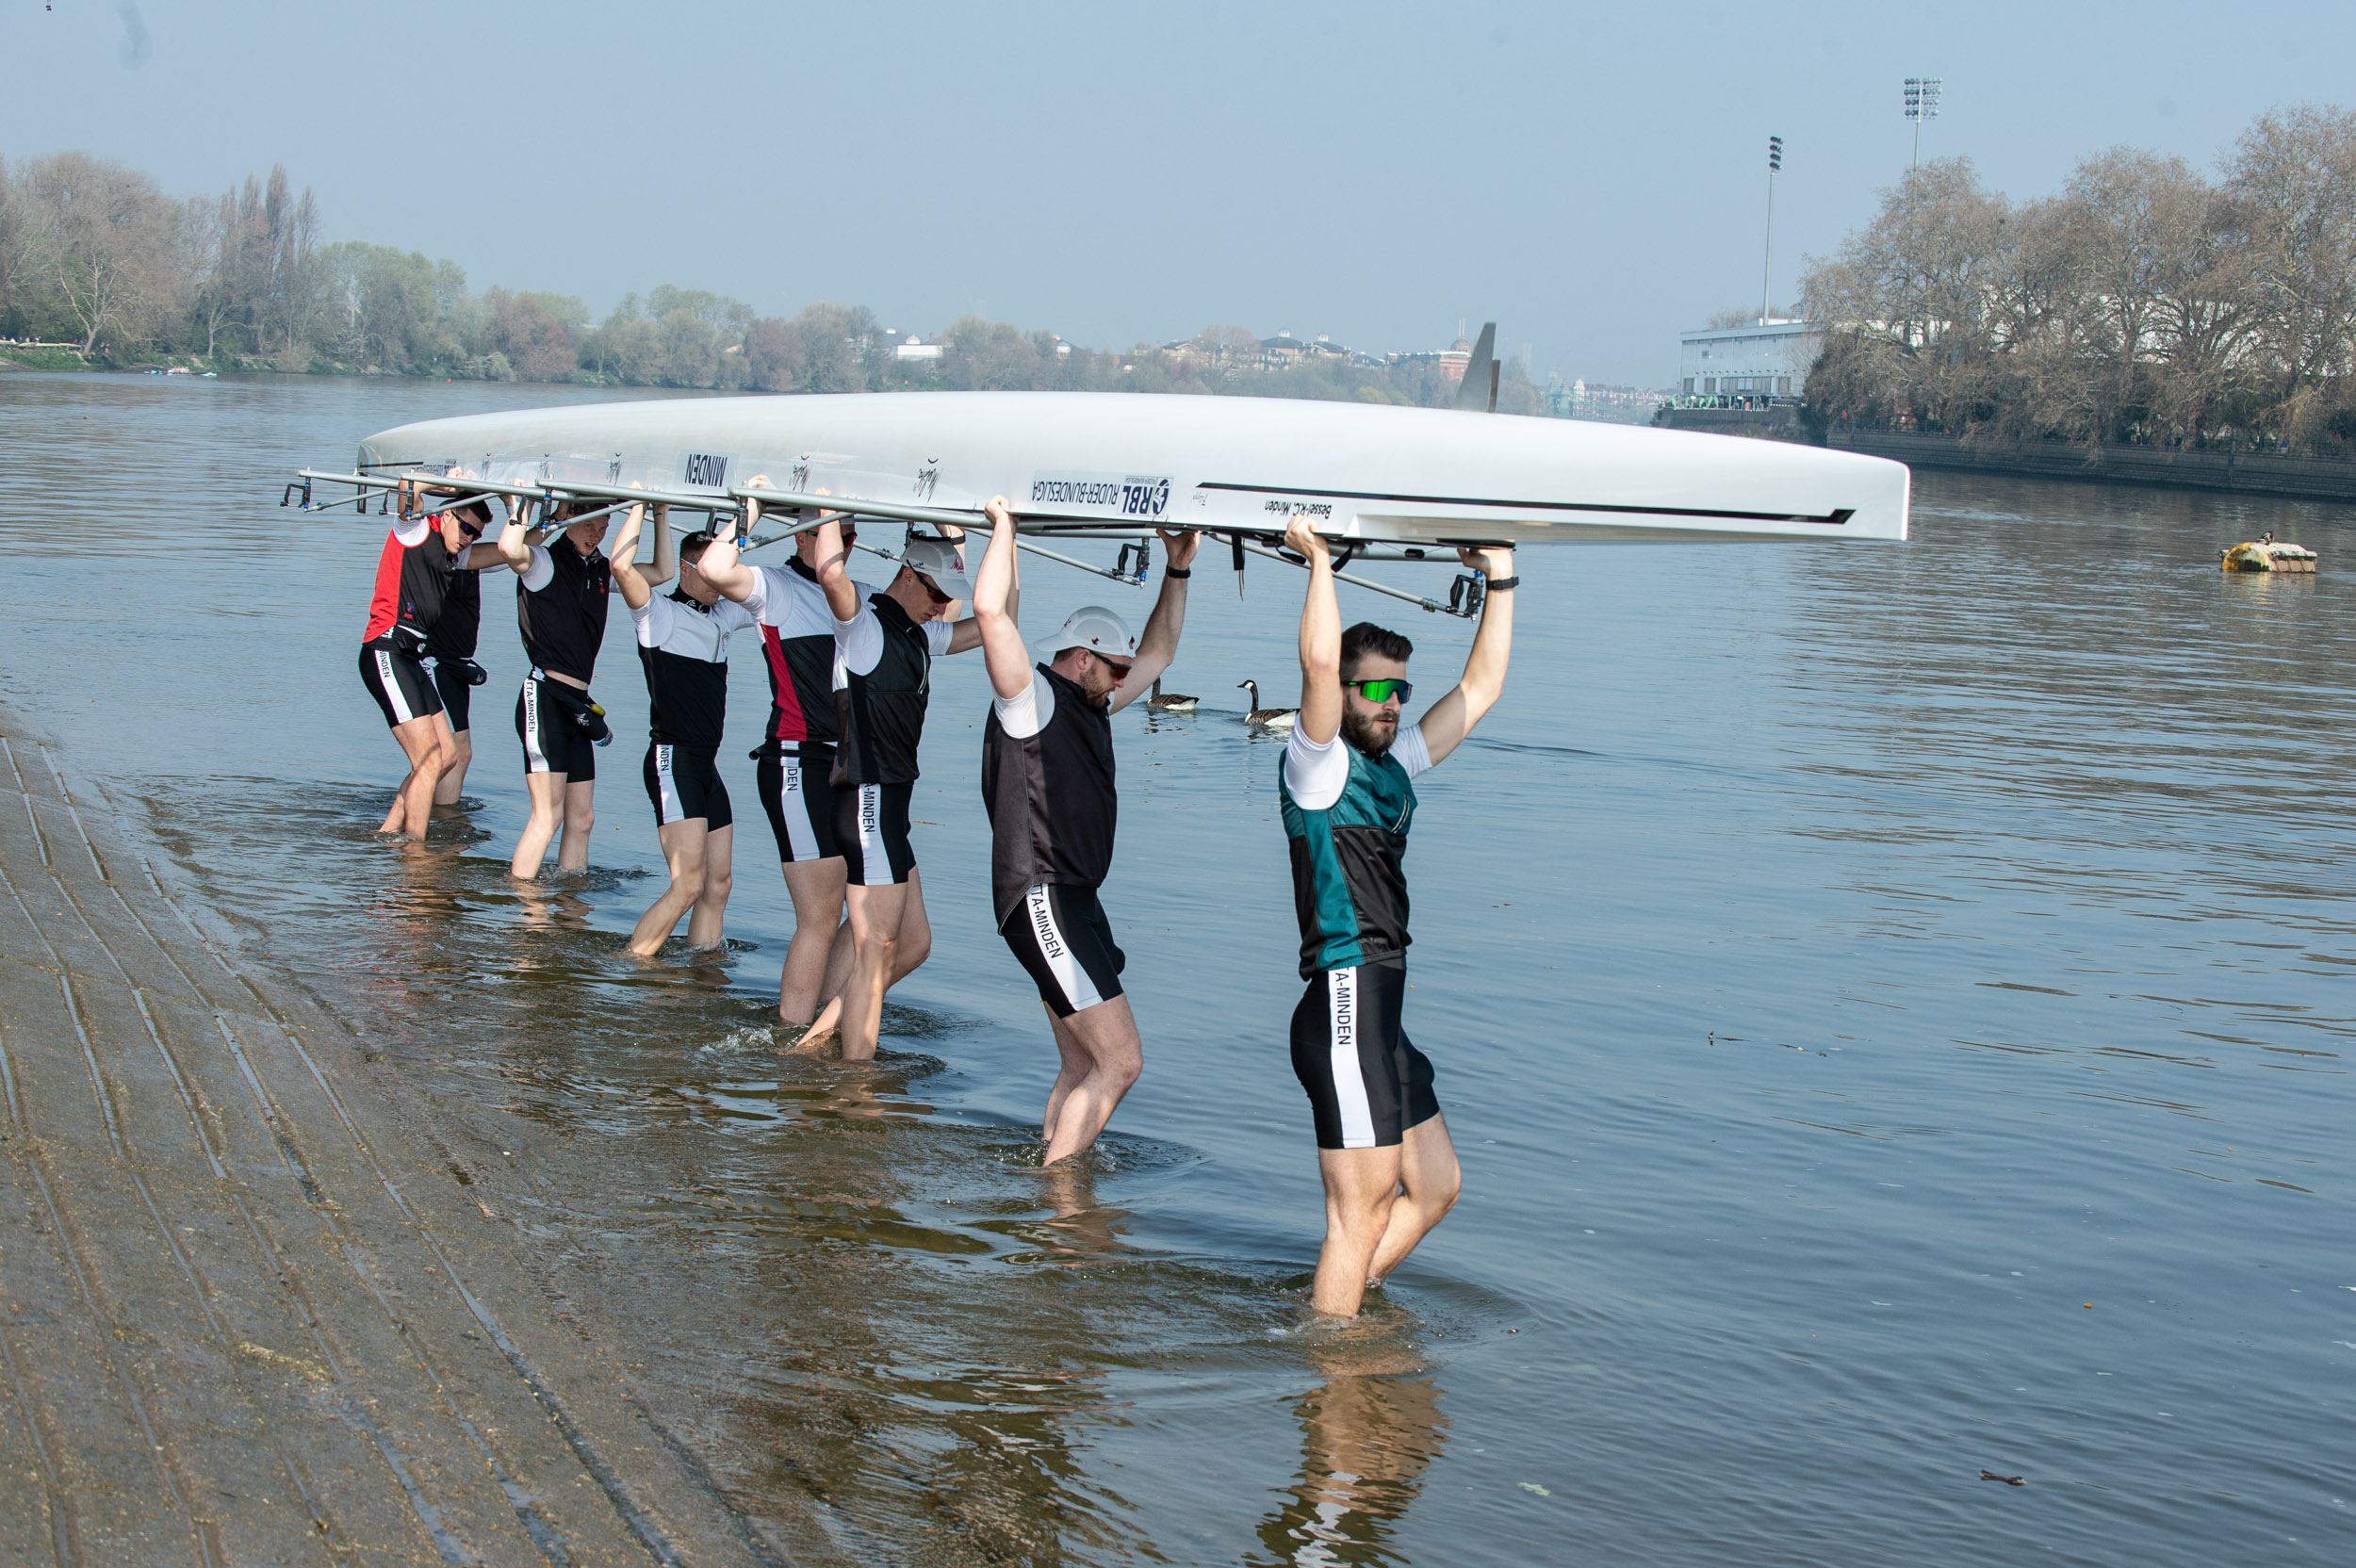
x=1099, y=631
x=937, y=559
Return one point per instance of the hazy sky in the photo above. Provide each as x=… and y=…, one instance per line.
x=1590, y=178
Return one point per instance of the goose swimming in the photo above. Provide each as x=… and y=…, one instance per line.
x=1265, y=718
x=1173, y=703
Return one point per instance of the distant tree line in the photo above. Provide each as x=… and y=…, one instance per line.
x=2143, y=303
x=95, y=254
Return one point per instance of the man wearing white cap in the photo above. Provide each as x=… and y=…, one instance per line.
x=1047, y=780
x=885, y=648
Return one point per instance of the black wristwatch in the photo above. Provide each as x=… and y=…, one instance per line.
x=1497, y=584
x=1182, y=573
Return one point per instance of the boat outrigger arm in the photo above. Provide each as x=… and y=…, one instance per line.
x=812, y=508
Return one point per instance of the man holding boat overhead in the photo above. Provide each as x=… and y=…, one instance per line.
x=684, y=643
x=884, y=648
x=1047, y=782
x=1348, y=797
x=561, y=592
x=413, y=579
x=796, y=754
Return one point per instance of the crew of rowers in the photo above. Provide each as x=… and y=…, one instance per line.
x=849, y=675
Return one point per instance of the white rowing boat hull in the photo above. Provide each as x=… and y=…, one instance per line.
x=1088, y=462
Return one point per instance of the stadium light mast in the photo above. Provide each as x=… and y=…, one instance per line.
x=1767, y=271
x=1922, y=104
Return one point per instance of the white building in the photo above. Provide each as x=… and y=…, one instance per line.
x=1759, y=361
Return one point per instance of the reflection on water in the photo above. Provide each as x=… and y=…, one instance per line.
x=1364, y=1444
x=1891, y=1005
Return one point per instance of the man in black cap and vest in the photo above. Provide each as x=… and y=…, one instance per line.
x=1047, y=782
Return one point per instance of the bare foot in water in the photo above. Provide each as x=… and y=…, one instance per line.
x=820, y=1033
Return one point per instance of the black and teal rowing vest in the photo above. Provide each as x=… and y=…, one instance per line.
x=1349, y=883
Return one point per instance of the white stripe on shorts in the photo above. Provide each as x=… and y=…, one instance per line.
x=393, y=693
x=535, y=760
x=1070, y=973
x=1350, y=1079
x=671, y=811
x=796, y=805
x=874, y=862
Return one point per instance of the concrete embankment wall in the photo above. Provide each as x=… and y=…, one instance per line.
x=2320, y=479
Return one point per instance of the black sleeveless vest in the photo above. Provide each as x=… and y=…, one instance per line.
x=1052, y=809
x=880, y=715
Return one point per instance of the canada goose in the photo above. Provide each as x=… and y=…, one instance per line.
x=1266, y=718
x=1170, y=704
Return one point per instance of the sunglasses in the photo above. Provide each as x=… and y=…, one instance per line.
x=931, y=587
x=1383, y=691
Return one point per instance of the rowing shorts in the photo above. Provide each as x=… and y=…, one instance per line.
x=399, y=684
x=554, y=741
x=1061, y=936
x=684, y=782
x=800, y=803
x=870, y=826
x=1366, y=1083
x=457, y=692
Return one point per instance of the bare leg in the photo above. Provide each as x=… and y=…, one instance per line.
x=1075, y=1065
x=816, y=887
x=1361, y=1186
x=914, y=946
x=426, y=742
x=446, y=791
x=1106, y=1037
x=1428, y=1180
x=684, y=845
x=547, y=815
x=581, y=819
x=875, y=938
x=711, y=907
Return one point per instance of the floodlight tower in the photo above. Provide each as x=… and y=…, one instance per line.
x=1767, y=271
x=1922, y=104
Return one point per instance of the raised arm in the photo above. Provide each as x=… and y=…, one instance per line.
x=512, y=546
x=636, y=590
x=719, y=564
x=1320, y=717
x=833, y=571
x=1446, y=723
x=1159, y=645
x=665, y=547
x=664, y=566
x=995, y=588
x=966, y=635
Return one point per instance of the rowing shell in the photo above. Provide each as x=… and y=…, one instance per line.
x=1097, y=462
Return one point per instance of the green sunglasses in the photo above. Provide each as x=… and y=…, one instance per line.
x=1382, y=691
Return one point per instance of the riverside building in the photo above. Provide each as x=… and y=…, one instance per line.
x=1747, y=366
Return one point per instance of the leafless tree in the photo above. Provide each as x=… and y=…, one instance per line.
x=101, y=238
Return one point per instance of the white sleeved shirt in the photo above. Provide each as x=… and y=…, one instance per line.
x=860, y=639
x=1315, y=774
x=1029, y=711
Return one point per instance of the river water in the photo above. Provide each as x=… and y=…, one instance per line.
x=1893, y=1004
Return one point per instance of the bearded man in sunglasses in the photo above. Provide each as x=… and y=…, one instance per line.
x=1349, y=797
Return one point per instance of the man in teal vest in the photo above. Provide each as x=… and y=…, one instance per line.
x=1350, y=797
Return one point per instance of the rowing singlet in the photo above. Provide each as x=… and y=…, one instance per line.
x=1049, y=790
x=561, y=602
x=879, y=711
x=412, y=580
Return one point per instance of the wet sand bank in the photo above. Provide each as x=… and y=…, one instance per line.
x=259, y=1300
